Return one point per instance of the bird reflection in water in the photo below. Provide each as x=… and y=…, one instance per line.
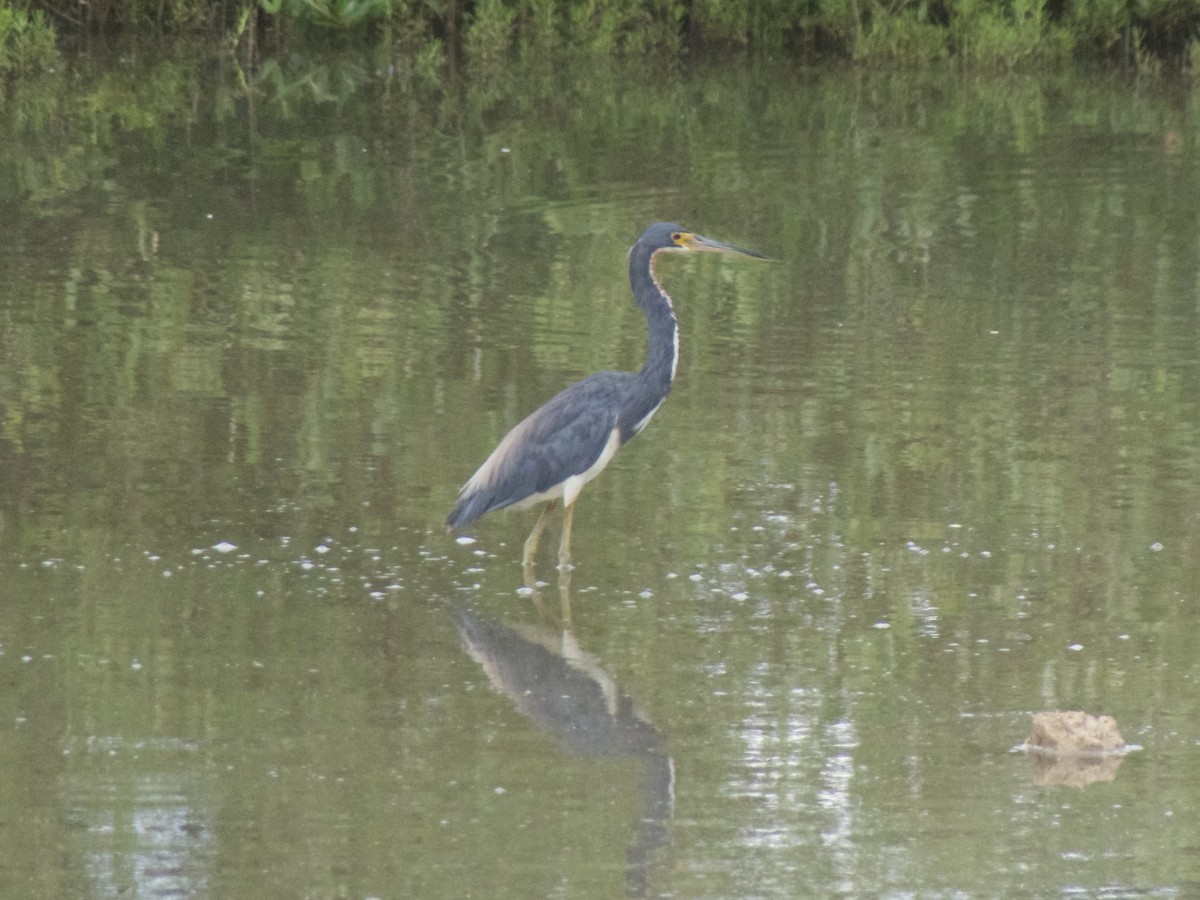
x=566, y=693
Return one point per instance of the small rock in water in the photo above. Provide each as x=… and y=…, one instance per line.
x=1069, y=733
x=1074, y=748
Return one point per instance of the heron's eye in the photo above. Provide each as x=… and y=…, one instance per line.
x=677, y=237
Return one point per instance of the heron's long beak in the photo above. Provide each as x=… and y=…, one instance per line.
x=698, y=242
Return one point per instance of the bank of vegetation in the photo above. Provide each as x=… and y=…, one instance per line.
x=996, y=34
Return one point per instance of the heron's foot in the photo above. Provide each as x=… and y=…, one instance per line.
x=531, y=582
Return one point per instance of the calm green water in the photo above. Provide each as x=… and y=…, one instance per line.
x=934, y=468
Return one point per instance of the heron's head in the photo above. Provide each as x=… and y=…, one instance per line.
x=670, y=238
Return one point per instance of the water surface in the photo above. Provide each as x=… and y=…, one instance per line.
x=932, y=469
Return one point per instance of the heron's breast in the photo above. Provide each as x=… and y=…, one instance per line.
x=645, y=420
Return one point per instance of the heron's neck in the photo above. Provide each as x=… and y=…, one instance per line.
x=662, y=349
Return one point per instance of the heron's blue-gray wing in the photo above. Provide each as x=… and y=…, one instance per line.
x=561, y=439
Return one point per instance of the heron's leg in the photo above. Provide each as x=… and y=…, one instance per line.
x=531, y=542
x=531, y=582
x=564, y=547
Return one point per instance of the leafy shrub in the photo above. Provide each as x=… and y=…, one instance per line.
x=26, y=41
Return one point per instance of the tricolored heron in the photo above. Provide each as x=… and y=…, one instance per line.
x=567, y=442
